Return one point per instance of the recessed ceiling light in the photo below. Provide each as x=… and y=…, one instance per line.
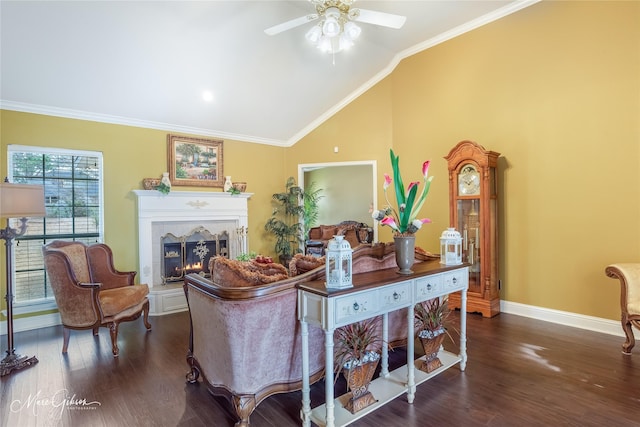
x=207, y=96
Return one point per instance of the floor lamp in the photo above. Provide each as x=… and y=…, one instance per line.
x=16, y=201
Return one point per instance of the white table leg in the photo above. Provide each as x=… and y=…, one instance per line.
x=305, y=413
x=328, y=378
x=384, y=368
x=463, y=329
x=411, y=379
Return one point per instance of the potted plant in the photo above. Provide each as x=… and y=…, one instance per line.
x=289, y=219
x=357, y=353
x=430, y=317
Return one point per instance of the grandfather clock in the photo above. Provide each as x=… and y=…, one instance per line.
x=473, y=211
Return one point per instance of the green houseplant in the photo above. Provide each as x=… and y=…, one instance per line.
x=311, y=197
x=430, y=317
x=357, y=353
x=295, y=210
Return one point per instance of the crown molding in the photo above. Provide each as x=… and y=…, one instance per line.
x=125, y=121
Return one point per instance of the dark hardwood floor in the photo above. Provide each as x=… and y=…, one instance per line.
x=521, y=372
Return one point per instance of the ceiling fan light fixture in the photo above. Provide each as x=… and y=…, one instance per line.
x=331, y=27
x=345, y=42
x=325, y=44
x=314, y=34
x=337, y=29
x=352, y=30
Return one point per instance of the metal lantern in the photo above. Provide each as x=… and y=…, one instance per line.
x=450, y=247
x=338, y=263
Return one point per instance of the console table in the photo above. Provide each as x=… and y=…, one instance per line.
x=376, y=293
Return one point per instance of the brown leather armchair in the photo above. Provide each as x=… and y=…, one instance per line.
x=629, y=276
x=90, y=292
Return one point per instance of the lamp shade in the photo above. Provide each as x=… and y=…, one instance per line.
x=352, y=30
x=314, y=34
x=21, y=200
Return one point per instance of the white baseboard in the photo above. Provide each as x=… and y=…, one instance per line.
x=596, y=324
x=29, y=323
x=165, y=300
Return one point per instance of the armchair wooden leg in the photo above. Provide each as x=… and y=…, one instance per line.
x=113, y=331
x=65, y=339
x=628, y=331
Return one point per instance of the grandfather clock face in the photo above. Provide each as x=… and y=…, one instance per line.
x=469, y=181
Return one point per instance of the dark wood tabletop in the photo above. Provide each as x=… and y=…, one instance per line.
x=372, y=279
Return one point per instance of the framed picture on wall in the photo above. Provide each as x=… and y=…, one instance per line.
x=195, y=161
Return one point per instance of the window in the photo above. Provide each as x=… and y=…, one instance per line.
x=74, y=202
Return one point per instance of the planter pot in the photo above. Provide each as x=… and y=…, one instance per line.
x=405, y=253
x=150, y=183
x=240, y=186
x=431, y=343
x=358, y=380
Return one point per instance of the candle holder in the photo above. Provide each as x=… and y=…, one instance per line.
x=451, y=247
x=338, y=263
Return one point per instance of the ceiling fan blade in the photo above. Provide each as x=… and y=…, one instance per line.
x=291, y=24
x=380, y=18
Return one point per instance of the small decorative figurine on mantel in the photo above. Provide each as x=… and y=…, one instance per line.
x=165, y=184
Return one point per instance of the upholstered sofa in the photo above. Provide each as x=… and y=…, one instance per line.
x=245, y=337
x=354, y=232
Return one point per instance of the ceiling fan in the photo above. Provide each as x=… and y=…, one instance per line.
x=337, y=28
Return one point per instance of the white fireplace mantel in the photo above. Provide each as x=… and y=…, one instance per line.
x=179, y=206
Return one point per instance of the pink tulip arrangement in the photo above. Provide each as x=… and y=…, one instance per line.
x=403, y=220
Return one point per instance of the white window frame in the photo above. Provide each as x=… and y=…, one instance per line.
x=44, y=304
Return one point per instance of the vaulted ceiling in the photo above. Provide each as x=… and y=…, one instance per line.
x=148, y=63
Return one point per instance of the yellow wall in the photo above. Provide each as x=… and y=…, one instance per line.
x=555, y=88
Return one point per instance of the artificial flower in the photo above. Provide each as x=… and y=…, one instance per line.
x=403, y=220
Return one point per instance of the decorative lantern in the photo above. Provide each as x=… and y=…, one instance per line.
x=450, y=247
x=338, y=263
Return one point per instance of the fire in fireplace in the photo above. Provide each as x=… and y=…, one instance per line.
x=191, y=253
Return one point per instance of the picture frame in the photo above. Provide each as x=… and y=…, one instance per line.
x=195, y=161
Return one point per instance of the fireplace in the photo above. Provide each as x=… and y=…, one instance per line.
x=179, y=213
x=190, y=253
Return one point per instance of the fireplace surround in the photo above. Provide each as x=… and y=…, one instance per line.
x=178, y=213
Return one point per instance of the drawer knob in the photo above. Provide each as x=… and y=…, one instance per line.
x=396, y=296
x=428, y=286
x=356, y=307
x=455, y=280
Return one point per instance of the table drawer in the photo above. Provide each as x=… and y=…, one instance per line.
x=355, y=307
x=427, y=286
x=398, y=295
x=456, y=280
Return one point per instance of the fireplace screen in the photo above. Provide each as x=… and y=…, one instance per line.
x=191, y=253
